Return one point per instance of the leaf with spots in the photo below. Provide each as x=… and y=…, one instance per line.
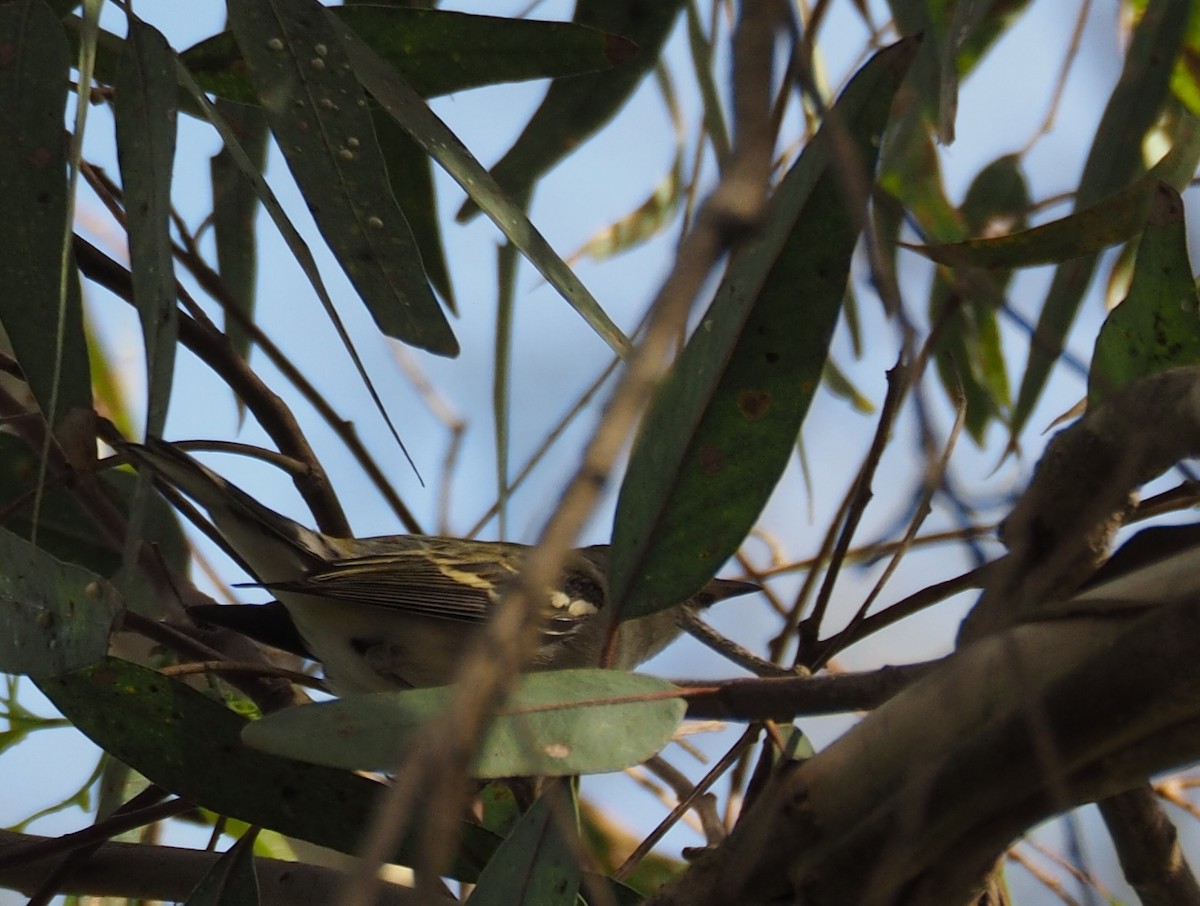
x=319, y=115
x=190, y=744
x=54, y=616
x=724, y=425
x=40, y=302
x=1157, y=326
x=558, y=723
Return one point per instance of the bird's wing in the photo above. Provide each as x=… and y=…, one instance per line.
x=416, y=581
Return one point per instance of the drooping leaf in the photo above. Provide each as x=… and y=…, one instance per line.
x=144, y=111
x=1114, y=161
x=319, y=116
x=575, y=108
x=436, y=51
x=1185, y=79
x=190, y=745
x=410, y=174
x=537, y=863
x=1157, y=326
x=40, y=304
x=725, y=423
x=55, y=616
x=964, y=303
x=414, y=115
x=1084, y=232
x=235, y=205
x=558, y=723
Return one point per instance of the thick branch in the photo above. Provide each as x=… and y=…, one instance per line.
x=139, y=871
x=930, y=788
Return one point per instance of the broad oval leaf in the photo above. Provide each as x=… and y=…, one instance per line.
x=725, y=422
x=189, y=744
x=54, y=616
x=557, y=723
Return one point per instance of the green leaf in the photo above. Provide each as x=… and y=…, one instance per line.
x=575, y=108
x=232, y=880
x=1185, y=78
x=319, y=116
x=414, y=115
x=436, y=51
x=35, y=286
x=235, y=205
x=724, y=424
x=191, y=745
x=65, y=530
x=55, y=616
x=964, y=303
x=1114, y=161
x=410, y=174
x=1157, y=326
x=144, y=111
x=557, y=723
x=537, y=865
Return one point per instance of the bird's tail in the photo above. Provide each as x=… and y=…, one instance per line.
x=273, y=547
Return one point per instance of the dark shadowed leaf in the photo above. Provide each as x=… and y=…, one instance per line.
x=423, y=125
x=191, y=745
x=320, y=118
x=40, y=305
x=557, y=723
x=537, y=863
x=54, y=617
x=725, y=423
x=235, y=205
x=232, y=880
x=437, y=51
x=144, y=110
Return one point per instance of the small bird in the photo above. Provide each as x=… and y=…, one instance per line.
x=394, y=611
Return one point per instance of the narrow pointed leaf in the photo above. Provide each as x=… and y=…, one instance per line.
x=189, y=744
x=414, y=115
x=558, y=723
x=725, y=423
x=968, y=353
x=232, y=880
x=1114, y=161
x=55, y=616
x=537, y=864
x=145, y=119
x=235, y=205
x=437, y=51
x=1157, y=326
x=575, y=108
x=34, y=289
x=319, y=116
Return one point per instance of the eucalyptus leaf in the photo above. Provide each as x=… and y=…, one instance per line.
x=55, y=617
x=557, y=723
x=725, y=423
x=189, y=744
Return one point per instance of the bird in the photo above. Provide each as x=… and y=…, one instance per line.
x=395, y=611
